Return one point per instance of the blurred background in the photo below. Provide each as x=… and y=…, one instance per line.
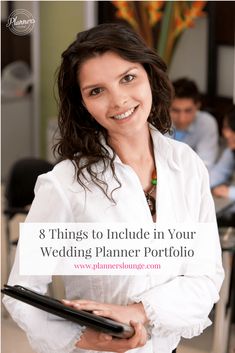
x=195, y=38
x=200, y=47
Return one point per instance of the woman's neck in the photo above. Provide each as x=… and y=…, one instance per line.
x=133, y=149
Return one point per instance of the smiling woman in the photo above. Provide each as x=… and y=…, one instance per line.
x=110, y=84
x=118, y=167
x=121, y=98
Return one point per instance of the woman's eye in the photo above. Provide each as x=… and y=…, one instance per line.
x=128, y=78
x=95, y=91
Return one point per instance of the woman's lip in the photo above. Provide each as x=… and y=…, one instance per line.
x=124, y=113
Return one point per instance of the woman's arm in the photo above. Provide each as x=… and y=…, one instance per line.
x=93, y=340
x=42, y=328
x=183, y=303
x=133, y=315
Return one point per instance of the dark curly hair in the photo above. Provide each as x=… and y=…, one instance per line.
x=80, y=139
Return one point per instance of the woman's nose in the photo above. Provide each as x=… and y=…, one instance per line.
x=118, y=100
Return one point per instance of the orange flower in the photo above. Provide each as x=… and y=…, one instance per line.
x=125, y=12
x=175, y=17
x=153, y=9
x=187, y=18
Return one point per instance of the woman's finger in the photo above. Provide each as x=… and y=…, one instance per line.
x=140, y=337
x=105, y=336
x=87, y=302
x=84, y=305
x=90, y=306
x=104, y=313
x=68, y=302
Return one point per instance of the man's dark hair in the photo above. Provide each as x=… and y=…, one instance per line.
x=185, y=88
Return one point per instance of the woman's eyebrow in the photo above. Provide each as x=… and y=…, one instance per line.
x=100, y=84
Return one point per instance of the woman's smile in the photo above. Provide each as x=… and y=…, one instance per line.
x=116, y=93
x=125, y=115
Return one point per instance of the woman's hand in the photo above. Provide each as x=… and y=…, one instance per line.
x=221, y=191
x=120, y=313
x=98, y=341
x=95, y=340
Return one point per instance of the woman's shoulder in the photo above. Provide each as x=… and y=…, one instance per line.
x=178, y=146
x=63, y=175
x=185, y=155
x=65, y=169
x=178, y=156
x=172, y=148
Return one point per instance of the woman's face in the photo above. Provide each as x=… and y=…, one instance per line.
x=229, y=135
x=116, y=93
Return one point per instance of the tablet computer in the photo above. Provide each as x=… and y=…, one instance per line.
x=56, y=307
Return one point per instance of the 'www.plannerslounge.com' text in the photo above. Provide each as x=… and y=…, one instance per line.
x=123, y=265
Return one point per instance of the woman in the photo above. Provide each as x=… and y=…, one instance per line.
x=114, y=107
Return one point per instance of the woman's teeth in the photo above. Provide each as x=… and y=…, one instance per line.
x=124, y=115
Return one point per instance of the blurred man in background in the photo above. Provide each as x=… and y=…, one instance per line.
x=196, y=128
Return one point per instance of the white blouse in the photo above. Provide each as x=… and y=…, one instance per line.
x=176, y=306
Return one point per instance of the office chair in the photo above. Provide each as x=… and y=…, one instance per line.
x=19, y=193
